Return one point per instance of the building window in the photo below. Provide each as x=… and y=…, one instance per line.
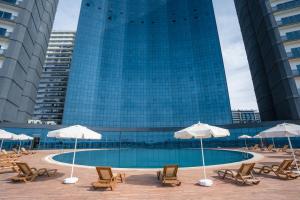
x=2, y=31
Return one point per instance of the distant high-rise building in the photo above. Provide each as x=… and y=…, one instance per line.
x=147, y=64
x=245, y=116
x=271, y=32
x=25, y=27
x=53, y=84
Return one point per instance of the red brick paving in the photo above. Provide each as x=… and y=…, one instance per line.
x=144, y=185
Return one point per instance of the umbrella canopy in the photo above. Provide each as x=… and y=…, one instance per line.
x=281, y=130
x=245, y=137
x=201, y=131
x=4, y=135
x=21, y=137
x=75, y=132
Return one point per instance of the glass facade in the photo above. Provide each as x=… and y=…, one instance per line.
x=160, y=138
x=147, y=64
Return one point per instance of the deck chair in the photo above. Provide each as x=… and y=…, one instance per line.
x=282, y=171
x=12, y=155
x=243, y=175
x=7, y=164
x=284, y=148
x=107, y=179
x=269, y=148
x=169, y=175
x=26, y=152
x=29, y=174
x=255, y=147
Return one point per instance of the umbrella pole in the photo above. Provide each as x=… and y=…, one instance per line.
x=203, y=159
x=295, y=160
x=74, y=155
x=273, y=142
x=19, y=147
x=1, y=144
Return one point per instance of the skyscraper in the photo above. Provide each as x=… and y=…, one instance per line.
x=271, y=32
x=25, y=27
x=147, y=64
x=53, y=84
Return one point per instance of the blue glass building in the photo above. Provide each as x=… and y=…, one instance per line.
x=147, y=64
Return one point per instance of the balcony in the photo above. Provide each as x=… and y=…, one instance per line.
x=289, y=20
x=296, y=72
x=295, y=35
x=286, y=6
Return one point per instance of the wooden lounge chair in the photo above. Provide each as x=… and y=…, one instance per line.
x=26, y=152
x=29, y=174
x=107, y=179
x=282, y=171
x=8, y=165
x=283, y=149
x=269, y=148
x=255, y=147
x=169, y=175
x=243, y=175
x=12, y=155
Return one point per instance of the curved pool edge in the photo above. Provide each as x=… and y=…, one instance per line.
x=256, y=157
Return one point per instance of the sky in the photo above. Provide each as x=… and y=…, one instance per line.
x=238, y=76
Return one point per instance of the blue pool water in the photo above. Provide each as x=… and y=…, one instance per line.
x=151, y=158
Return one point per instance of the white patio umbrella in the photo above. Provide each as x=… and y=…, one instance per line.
x=74, y=132
x=245, y=137
x=201, y=131
x=4, y=135
x=20, y=138
x=283, y=130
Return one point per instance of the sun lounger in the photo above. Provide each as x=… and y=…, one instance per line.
x=12, y=155
x=7, y=164
x=107, y=179
x=29, y=174
x=169, y=175
x=26, y=152
x=283, y=149
x=254, y=148
x=243, y=175
x=282, y=171
x=270, y=148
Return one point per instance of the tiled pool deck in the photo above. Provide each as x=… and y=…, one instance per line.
x=144, y=185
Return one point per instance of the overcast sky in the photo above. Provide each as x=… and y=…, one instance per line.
x=237, y=70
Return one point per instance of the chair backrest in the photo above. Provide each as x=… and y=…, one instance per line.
x=104, y=173
x=15, y=150
x=170, y=171
x=285, y=165
x=24, y=168
x=4, y=151
x=23, y=149
x=255, y=146
x=270, y=147
x=285, y=147
x=246, y=169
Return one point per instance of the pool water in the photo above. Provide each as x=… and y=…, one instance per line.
x=151, y=158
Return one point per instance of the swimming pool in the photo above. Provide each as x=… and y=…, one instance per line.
x=151, y=158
